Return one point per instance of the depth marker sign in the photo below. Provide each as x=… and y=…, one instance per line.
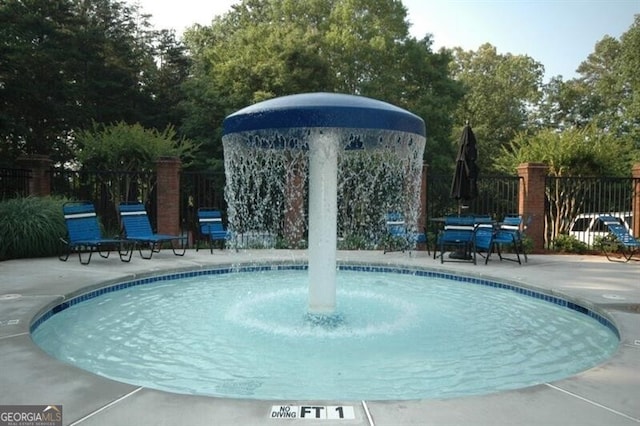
x=331, y=412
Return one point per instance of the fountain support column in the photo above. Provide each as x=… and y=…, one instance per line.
x=323, y=213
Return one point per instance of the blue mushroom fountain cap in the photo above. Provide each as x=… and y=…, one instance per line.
x=323, y=110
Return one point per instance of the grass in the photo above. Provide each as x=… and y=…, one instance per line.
x=31, y=227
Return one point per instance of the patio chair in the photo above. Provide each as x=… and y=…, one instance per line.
x=625, y=244
x=211, y=228
x=488, y=239
x=136, y=226
x=515, y=225
x=458, y=233
x=399, y=238
x=84, y=234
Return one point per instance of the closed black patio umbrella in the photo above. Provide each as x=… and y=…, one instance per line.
x=465, y=178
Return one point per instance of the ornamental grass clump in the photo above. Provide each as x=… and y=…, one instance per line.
x=31, y=227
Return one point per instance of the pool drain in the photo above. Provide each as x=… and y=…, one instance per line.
x=10, y=296
x=613, y=297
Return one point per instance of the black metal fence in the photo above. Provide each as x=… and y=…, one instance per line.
x=14, y=183
x=573, y=205
x=571, y=202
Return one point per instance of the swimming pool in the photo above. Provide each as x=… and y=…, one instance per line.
x=407, y=334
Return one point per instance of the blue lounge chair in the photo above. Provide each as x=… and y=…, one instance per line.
x=137, y=227
x=458, y=234
x=488, y=239
x=84, y=234
x=514, y=225
x=626, y=244
x=398, y=237
x=211, y=227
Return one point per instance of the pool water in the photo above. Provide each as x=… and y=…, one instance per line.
x=401, y=336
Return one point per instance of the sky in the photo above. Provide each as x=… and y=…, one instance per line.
x=560, y=34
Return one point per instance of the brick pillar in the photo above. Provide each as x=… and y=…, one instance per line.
x=168, y=198
x=40, y=166
x=531, y=200
x=635, y=202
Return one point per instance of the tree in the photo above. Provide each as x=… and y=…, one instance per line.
x=164, y=81
x=500, y=89
x=426, y=92
x=604, y=97
x=628, y=68
x=267, y=48
x=564, y=105
x=66, y=63
x=364, y=39
x=605, y=94
x=573, y=152
x=35, y=85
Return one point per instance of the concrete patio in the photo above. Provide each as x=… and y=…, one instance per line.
x=608, y=394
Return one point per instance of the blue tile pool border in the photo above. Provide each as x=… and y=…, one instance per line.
x=341, y=266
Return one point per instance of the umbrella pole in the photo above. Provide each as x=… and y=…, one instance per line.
x=460, y=254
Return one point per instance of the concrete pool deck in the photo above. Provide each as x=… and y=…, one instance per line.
x=608, y=394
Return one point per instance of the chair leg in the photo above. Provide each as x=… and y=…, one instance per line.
x=515, y=247
x=628, y=253
x=489, y=251
x=609, y=255
x=177, y=251
x=125, y=255
x=67, y=251
x=141, y=252
x=521, y=249
x=88, y=260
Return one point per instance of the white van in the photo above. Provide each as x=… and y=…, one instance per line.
x=586, y=227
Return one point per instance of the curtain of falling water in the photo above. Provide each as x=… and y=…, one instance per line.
x=378, y=171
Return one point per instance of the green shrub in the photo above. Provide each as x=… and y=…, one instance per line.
x=607, y=243
x=569, y=244
x=284, y=243
x=354, y=241
x=31, y=227
x=527, y=244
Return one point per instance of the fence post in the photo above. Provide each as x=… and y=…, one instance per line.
x=635, y=202
x=168, y=195
x=40, y=166
x=531, y=200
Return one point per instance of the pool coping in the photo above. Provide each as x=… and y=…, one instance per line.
x=601, y=395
